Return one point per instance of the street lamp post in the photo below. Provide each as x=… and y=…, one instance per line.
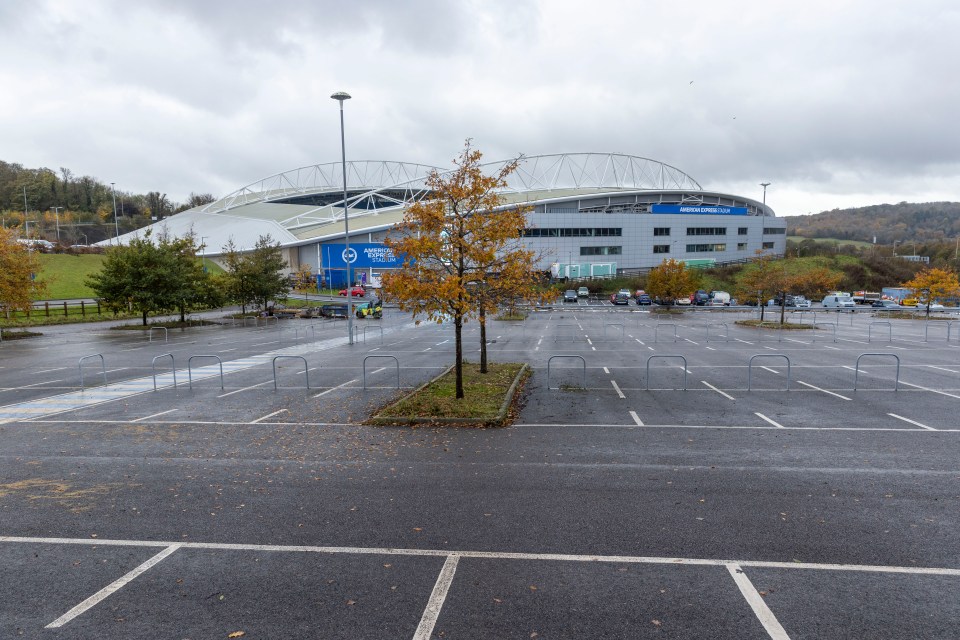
x=203, y=253
x=56, y=213
x=340, y=96
x=116, y=224
x=764, y=185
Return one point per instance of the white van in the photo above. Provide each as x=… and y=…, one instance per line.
x=720, y=299
x=843, y=301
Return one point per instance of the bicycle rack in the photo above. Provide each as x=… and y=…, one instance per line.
x=103, y=367
x=306, y=370
x=803, y=313
x=726, y=330
x=564, y=326
x=766, y=355
x=166, y=335
x=656, y=330
x=254, y=318
x=190, y=369
x=880, y=322
x=372, y=326
x=856, y=371
x=582, y=361
x=173, y=369
x=267, y=319
x=926, y=329
x=394, y=358
x=831, y=324
x=667, y=356
x=613, y=324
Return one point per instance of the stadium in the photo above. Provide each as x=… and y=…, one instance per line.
x=592, y=214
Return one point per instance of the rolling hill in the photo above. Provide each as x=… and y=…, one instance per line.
x=906, y=221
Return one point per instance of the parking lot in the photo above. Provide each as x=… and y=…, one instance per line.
x=677, y=476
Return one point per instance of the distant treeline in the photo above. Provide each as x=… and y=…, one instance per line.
x=84, y=206
x=928, y=222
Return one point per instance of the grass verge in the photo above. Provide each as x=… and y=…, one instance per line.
x=486, y=401
x=169, y=324
x=19, y=335
x=786, y=326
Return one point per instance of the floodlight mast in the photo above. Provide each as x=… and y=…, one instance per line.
x=340, y=96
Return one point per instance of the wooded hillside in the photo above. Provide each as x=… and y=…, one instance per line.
x=906, y=221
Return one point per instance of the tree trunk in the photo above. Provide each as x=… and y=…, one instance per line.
x=183, y=312
x=144, y=318
x=760, y=303
x=483, y=340
x=783, y=306
x=458, y=363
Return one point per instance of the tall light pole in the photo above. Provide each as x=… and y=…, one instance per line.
x=340, y=96
x=764, y=185
x=116, y=225
x=895, y=248
x=56, y=213
x=203, y=253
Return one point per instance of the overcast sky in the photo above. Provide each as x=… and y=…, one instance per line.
x=836, y=103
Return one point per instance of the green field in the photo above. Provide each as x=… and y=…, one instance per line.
x=856, y=243
x=66, y=275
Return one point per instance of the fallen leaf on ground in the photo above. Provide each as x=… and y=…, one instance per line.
x=237, y=634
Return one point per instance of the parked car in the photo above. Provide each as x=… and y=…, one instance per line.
x=683, y=301
x=583, y=292
x=839, y=302
x=909, y=302
x=354, y=291
x=803, y=303
x=701, y=298
x=885, y=304
x=570, y=295
x=643, y=299
x=621, y=297
x=720, y=299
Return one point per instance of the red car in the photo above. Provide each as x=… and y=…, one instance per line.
x=355, y=291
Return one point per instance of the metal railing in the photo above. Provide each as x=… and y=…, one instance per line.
x=166, y=335
x=394, y=358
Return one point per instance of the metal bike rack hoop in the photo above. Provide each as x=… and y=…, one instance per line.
x=667, y=356
x=166, y=335
x=856, y=371
x=103, y=367
x=190, y=370
x=766, y=355
x=726, y=330
x=306, y=369
x=173, y=369
x=394, y=358
x=656, y=330
x=880, y=322
x=372, y=326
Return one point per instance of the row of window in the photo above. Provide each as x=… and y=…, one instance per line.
x=707, y=248
x=601, y=251
x=600, y=232
x=574, y=232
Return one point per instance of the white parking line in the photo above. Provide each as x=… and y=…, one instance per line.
x=760, y=608
x=893, y=415
x=589, y=341
x=763, y=417
x=113, y=587
x=770, y=370
x=607, y=371
x=711, y=348
x=162, y=413
x=253, y=386
x=640, y=341
x=806, y=384
x=339, y=386
x=743, y=341
x=941, y=368
x=636, y=418
x=725, y=395
x=269, y=415
x=617, y=389
x=826, y=346
x=435, y=603
x=943, y=393
x=48, y=370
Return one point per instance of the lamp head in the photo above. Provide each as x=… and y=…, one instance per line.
x=340, y=96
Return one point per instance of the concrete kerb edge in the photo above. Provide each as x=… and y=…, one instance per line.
x=415, y=420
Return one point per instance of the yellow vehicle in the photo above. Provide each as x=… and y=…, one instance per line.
x=373, y=309
x=909, y=302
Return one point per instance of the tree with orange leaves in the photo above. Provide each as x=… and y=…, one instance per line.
x=459, y=248
x=18, y=269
